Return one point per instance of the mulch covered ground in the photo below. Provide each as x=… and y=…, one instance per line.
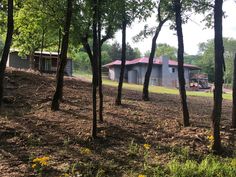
x=29, y=129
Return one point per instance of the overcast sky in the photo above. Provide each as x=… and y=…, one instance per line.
x=193, y=31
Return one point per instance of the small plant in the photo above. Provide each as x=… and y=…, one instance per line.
x=85, y=169
x=66, y=142
x=133, y=148
x=39, y=164
x=208, y=167
x=211, y=141
x=85, y=151
x=181, y=154
x=146, y=155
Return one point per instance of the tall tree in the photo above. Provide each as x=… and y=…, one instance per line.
x=95, y=66
x=123, y=57
x=130, y=10
x=180, y=56
x=153, y=50
x=63, y=58
x=10, y=28
x=234, y=96
x=100, y=89
x=219, y=74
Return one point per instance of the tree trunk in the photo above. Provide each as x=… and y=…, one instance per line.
x=100, y=66
x=63, y=58
x=123, y=59
x=31, y=60
x=42, y=47
x=59, y=48
x=150, y=62
x=95, y=66
x=88, y=50
x=219, y=60
x=10, y=28
x=180, y=56
x=234, y=96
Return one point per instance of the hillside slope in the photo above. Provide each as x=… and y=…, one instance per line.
x=29, y=129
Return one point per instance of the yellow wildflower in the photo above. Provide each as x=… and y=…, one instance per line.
x=34, y=165
x=43, y=161
x=210, y=138
x=85, y=151
x=142, y=175
x=147, y=146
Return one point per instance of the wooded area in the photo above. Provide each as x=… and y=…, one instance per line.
x=104, y=131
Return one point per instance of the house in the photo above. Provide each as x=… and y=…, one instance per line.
x=47, y=63
x=164, y=71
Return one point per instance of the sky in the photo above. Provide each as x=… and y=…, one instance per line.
x=193, y=32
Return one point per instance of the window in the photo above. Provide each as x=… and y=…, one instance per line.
x=172, y=70
x=48, y=64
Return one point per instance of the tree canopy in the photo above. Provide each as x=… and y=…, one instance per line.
x=206, y=58
x=167, y=50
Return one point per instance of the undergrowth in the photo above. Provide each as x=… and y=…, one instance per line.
x=180, y=166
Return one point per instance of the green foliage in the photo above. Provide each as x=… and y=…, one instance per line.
x=115, y=52
x=109, y=53
x=206, y=59
x=208, y=167
x=81, y=61
x=1, y=46
x=191, y=59
x=133, y=148
x=34, y=20
x=166, y=50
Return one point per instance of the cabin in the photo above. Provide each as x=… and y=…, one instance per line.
x=45, y=62
x=164, y=71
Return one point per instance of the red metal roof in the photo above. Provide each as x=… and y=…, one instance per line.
x=156, y=61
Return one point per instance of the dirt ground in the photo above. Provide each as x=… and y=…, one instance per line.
x=28, y=128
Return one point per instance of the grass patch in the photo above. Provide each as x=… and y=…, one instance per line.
x=152, y=89
x=208, y=167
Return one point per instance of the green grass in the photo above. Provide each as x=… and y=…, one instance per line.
x=152, y=89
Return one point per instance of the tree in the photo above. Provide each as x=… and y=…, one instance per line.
x=130, y=10
x=100, y=88
x=191, y=59
x=147, y=53
x=115, y=51
x=219, y=65
x=166, y=50
x=234, y=96
x=123, y=57
x=180, y=56
x=206, y=58
x=32, y=21
x=137, y=53
x=95, y=65
x=10, y=28
x=162, y=21
x=131, y=53
x=63, y=58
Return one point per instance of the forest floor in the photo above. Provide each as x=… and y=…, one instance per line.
x=29, y=129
